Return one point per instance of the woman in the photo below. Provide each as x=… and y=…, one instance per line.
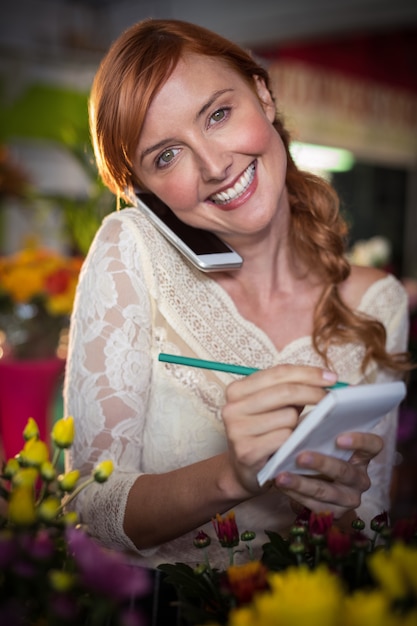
x=180, y=112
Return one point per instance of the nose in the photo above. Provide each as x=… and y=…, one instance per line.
x=214, y=162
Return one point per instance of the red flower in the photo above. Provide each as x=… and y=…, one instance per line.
x=379, y=522
x=303, y=517
x=338, y=542
x=202, y=540
x=320, y=523
x=57, y=282
x=226, y=530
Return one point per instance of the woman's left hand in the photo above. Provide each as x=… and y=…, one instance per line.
x=339, y=485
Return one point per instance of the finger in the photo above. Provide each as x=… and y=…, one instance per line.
x=254, y=452
x=318, y=494
x=277, y=375
x=335, y=470
x=239, y=426
x=364, y=446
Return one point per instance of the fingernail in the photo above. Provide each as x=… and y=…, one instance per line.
x=345, y=441
x=329, y=376
x=305, y=459
x=284, y=480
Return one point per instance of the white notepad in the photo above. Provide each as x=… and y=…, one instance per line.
x=350, y=409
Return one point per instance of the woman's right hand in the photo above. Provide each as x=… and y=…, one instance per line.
x=261, y=412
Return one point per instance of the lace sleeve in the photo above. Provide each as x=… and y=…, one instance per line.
x=108, y=374
x=392, y=308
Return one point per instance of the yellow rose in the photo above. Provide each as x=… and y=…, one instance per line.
x=69, y=519
x=48, y=509
x=63, y=432
x=48, y=471
x=60, y=580
x=21, y=508
x=67, y=482
x=102, y=471
x=34, y=453
x=31, y=430
x=11, y=468
x=25, y=477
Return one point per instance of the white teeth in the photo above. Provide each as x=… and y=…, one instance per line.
x=240, y=186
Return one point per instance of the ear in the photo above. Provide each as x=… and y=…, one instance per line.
x=265, y=98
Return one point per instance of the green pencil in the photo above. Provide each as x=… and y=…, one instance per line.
x=220, y=367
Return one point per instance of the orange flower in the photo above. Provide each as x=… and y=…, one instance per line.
x=245, y=580
x=37, y=273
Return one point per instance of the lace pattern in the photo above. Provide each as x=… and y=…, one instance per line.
x=137, y=297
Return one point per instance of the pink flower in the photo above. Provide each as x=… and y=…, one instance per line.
x=105, y=571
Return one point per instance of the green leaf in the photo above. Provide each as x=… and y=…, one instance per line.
x=46, y=112
x=276, y=553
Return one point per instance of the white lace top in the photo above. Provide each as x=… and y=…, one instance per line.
x=137, y=297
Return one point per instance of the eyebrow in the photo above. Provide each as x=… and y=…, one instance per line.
x=168, y=140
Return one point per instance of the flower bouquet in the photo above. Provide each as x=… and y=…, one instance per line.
x=51, y=571
x=318, y=575
x=37, y=288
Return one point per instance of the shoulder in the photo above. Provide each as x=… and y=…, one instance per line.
x=381, y=296
x=358, y=284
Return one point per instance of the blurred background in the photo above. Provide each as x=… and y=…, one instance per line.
x=344, y=75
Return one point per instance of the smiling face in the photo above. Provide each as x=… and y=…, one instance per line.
x=209, y=150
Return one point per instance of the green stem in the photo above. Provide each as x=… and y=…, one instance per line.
x=55, y=459
x=75, y=493
x=206, y=560
x=359, y=566
x=249, y=547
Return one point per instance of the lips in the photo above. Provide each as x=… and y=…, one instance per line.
x=238, y=189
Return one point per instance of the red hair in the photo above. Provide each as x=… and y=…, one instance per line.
x=136, y=66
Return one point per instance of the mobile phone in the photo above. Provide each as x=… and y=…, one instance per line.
x=204, y=249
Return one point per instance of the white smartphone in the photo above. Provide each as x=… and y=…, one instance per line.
x=355, y=409
x=204, y=249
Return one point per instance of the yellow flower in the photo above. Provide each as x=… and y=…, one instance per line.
x=69, y=519
x=282, y=605
x=61, y=580
x=63, y=432
x=102, y=471
x=242, y=617
x=367, y=607
x=25, y=477
x=395, y=570
x=48, y=471
x=11, y=468
x=34, y=453
x=48, y=509
x=31, y=430
x=67, y=482
x=21, y=508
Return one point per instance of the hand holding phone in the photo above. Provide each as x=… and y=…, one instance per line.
x=204, y=249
